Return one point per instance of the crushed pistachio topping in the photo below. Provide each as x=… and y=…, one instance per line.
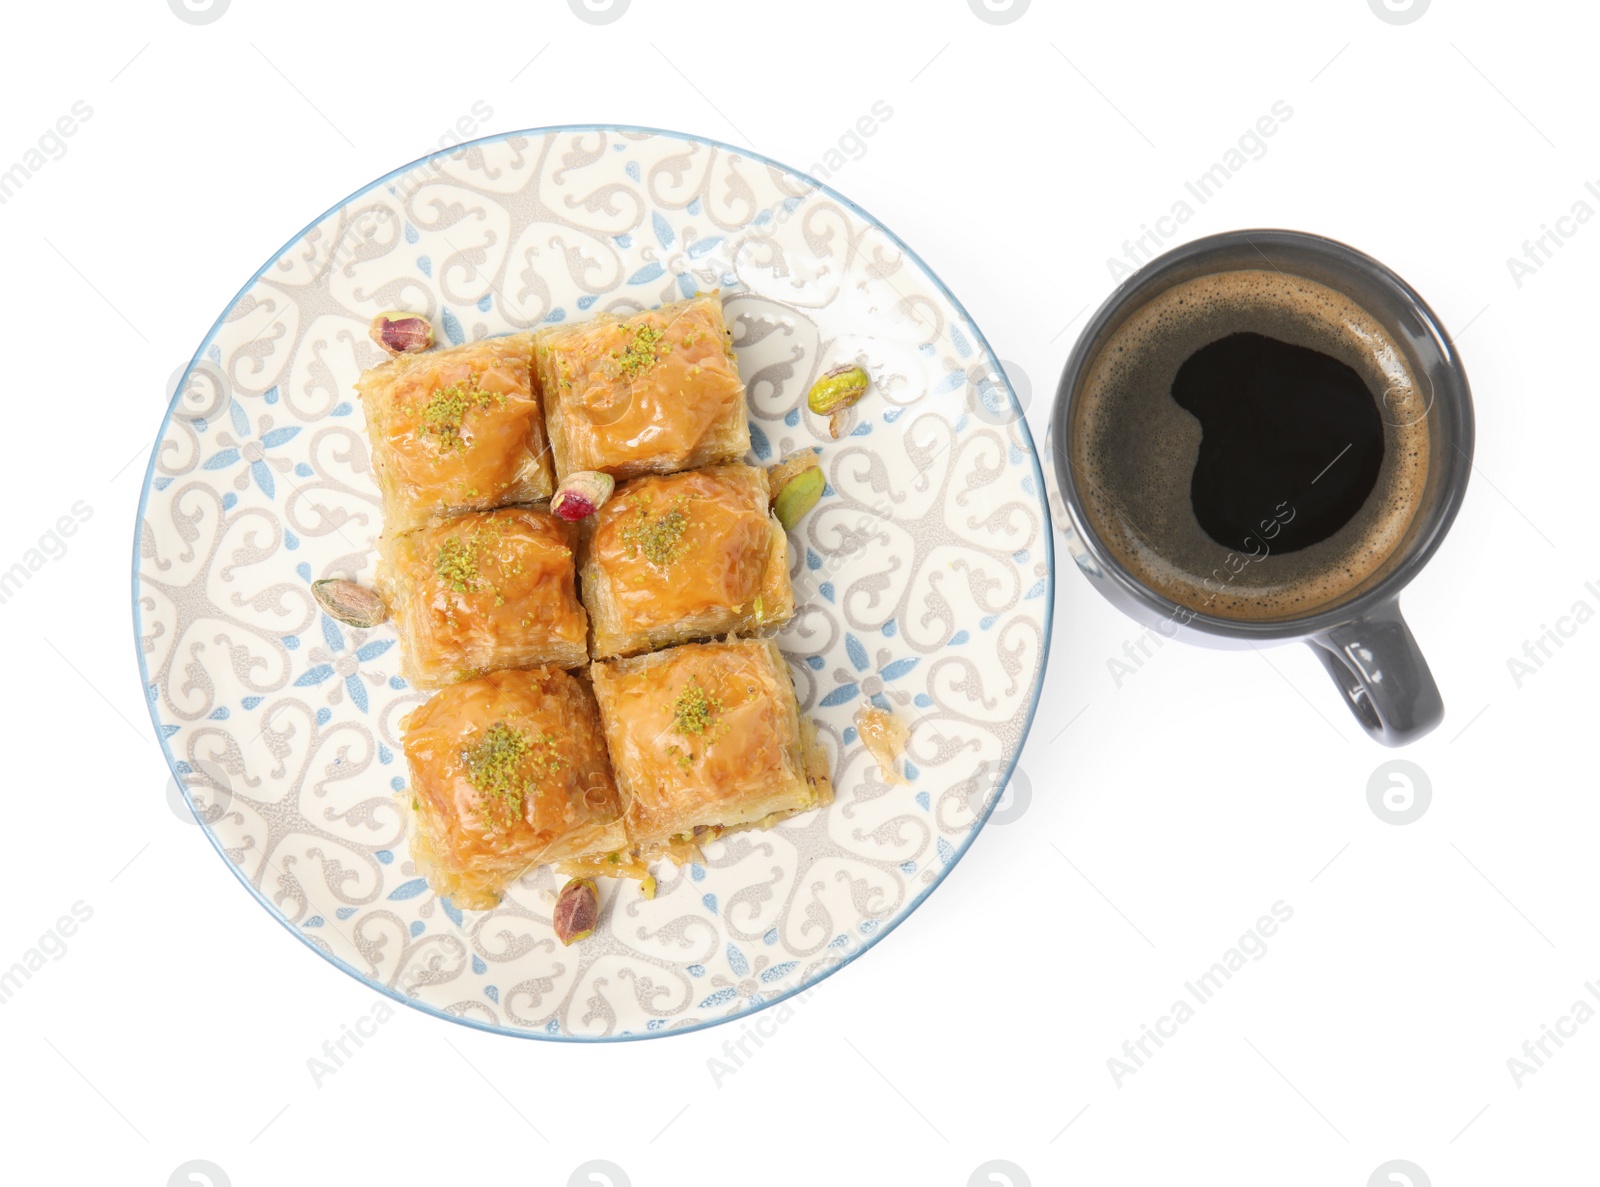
x=457, y=564
x=659, y=539
x=644, y=350
x=447, y=409
x=498, y=765
x=695, y=711
x=459, y=560
x=695, y=714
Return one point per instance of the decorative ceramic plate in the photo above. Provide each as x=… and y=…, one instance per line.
x=923, y=577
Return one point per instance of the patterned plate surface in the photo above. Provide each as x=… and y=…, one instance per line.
x=924, y=576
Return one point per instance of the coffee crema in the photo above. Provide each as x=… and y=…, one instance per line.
x=1244, y=444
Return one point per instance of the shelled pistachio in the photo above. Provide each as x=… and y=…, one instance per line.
x=401, y=333
x=349, y=603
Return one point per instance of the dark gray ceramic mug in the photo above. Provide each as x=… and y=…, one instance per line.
x=1362, y=640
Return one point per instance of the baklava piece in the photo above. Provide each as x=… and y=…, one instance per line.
x=485, y=590
x=685, y=556
x=707, y=737
x=643, y=393
x=456, y=430
x=508, y=771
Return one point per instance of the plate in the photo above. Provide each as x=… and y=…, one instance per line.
x=924, y=576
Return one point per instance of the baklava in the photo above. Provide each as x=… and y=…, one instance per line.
x=508, y=771
x=707, y=736
x=456, y=430
x=685, y=556
x=643, y=393
x=484, y=590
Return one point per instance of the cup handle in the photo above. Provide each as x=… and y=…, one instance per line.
x=1378, y=666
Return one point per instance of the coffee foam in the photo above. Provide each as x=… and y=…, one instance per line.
x=1133, y=449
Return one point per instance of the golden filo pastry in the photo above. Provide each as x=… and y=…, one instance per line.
x=643, y=393
x=673, y=558
x=454, y=430
x=484, y=590
x=508, y=771
x=707, y=736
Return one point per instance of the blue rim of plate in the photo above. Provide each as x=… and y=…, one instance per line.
x=871, y=941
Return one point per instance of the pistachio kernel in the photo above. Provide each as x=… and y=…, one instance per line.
x=838, y=389
x=797, y=496
x=581, y=494
x=401, y=333
x=349, y=603
x=577, y=910
x=790, y=467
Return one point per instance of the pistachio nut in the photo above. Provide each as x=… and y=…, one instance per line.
x=581, y=494
x=838, y=389
x=349, y=603
x=401, y=333
x=577, y=910
x=789, y=467
x=797, y=491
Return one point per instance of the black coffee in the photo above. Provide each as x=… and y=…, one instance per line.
x=1271, y=414
x=1229, y=445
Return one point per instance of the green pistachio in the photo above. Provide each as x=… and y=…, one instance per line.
x=349, y=603
x=838, y=389
x=792, y=466
x=797, y=496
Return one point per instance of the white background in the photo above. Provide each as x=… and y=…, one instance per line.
x=1170, y=813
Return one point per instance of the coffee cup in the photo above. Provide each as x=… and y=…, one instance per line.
x=1261, y=437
